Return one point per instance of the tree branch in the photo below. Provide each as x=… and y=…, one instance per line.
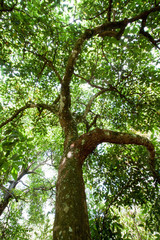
x=114, y=89
x=111, y=88
x=88, y=107
x=109, y=10
x=43, y=188
x=89, y=142
x=146, y=34
x=107, y=29
x=89, y=81
x=144, y=14
x=46, y=62
x=5, y=8
x=50, y=108
x=43, y=67
x=9, y=194
x=99, y=14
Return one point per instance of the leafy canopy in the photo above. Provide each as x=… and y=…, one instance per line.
x=115, y=85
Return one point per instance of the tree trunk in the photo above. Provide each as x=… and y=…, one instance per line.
x=71, y=217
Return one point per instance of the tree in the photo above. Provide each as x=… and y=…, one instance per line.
x=91, y=72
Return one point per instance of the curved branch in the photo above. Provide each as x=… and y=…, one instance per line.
x=89, y=141
x=13, y=116
x=89, y=33
x=50, y=108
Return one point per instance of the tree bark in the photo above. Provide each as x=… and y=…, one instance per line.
x=71, y=217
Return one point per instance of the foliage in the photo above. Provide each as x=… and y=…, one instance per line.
x=11, y=228
x=115, y=85
x=117, y=177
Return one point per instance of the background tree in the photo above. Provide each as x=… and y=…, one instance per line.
x=76, y=75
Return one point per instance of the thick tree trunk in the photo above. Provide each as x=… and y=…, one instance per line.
x=71, y=217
